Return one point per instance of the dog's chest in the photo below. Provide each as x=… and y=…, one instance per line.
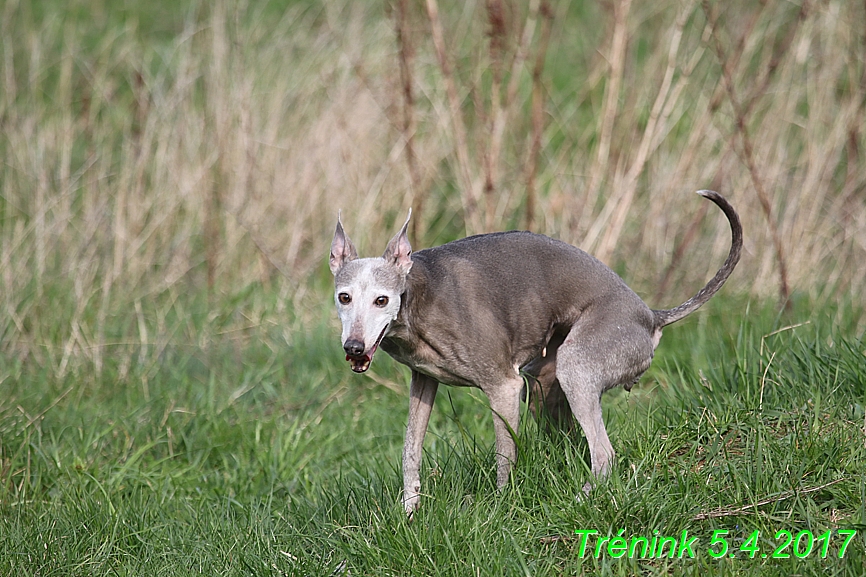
x=420, y=356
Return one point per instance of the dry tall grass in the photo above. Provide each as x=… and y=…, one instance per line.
x=138, y=172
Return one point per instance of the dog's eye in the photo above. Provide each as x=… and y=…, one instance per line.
x=344, y=298
x=381, y=301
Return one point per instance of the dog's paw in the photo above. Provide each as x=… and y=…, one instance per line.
x=410, y=504
x=584, y=493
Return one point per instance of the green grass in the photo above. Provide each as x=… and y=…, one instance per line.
x=272, y=458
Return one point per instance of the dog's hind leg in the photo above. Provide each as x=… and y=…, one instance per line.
x=596, y=356
x=547, y=402
x=505, y=404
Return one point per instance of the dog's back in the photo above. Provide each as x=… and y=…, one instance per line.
x=467, y=298
x=510, y=268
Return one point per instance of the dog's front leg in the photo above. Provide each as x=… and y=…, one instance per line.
x=422, y=393
x=505, y=404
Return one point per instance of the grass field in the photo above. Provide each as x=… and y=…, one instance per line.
x=173, y=397
x=272, y=458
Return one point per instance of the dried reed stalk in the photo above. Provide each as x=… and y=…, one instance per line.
x=625, y=187
x=610, y=110
x=497, y=40
x=537, y=107
x=468, y=196
x=408, y=121
x=741, y=112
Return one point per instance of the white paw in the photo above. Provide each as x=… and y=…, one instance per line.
x=410, y=503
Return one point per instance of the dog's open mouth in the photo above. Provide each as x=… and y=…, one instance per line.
x=361, y=363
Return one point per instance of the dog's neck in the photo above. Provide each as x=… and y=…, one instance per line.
x=416, y=283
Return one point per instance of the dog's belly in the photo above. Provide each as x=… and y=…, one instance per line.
x=441, y=375
x=468, y=366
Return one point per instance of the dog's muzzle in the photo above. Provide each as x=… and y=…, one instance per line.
x=358, y=356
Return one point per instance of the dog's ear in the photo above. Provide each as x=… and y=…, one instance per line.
x=399, y=251
x=342, y=249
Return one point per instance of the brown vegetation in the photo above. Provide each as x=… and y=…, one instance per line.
x=137, y=171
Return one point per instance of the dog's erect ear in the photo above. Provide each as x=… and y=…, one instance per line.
x=399, y=251
x=342, y=249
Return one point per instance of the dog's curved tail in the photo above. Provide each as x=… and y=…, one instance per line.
x=668, y=316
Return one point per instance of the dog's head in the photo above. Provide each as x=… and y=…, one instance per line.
x=368, y=292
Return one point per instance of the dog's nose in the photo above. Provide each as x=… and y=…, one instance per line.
x=354, y=347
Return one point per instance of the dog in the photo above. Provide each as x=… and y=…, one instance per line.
x=485, y=310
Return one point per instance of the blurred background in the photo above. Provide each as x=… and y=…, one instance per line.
x=172, y=171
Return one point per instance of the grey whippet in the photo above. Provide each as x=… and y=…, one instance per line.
x=477, y=311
